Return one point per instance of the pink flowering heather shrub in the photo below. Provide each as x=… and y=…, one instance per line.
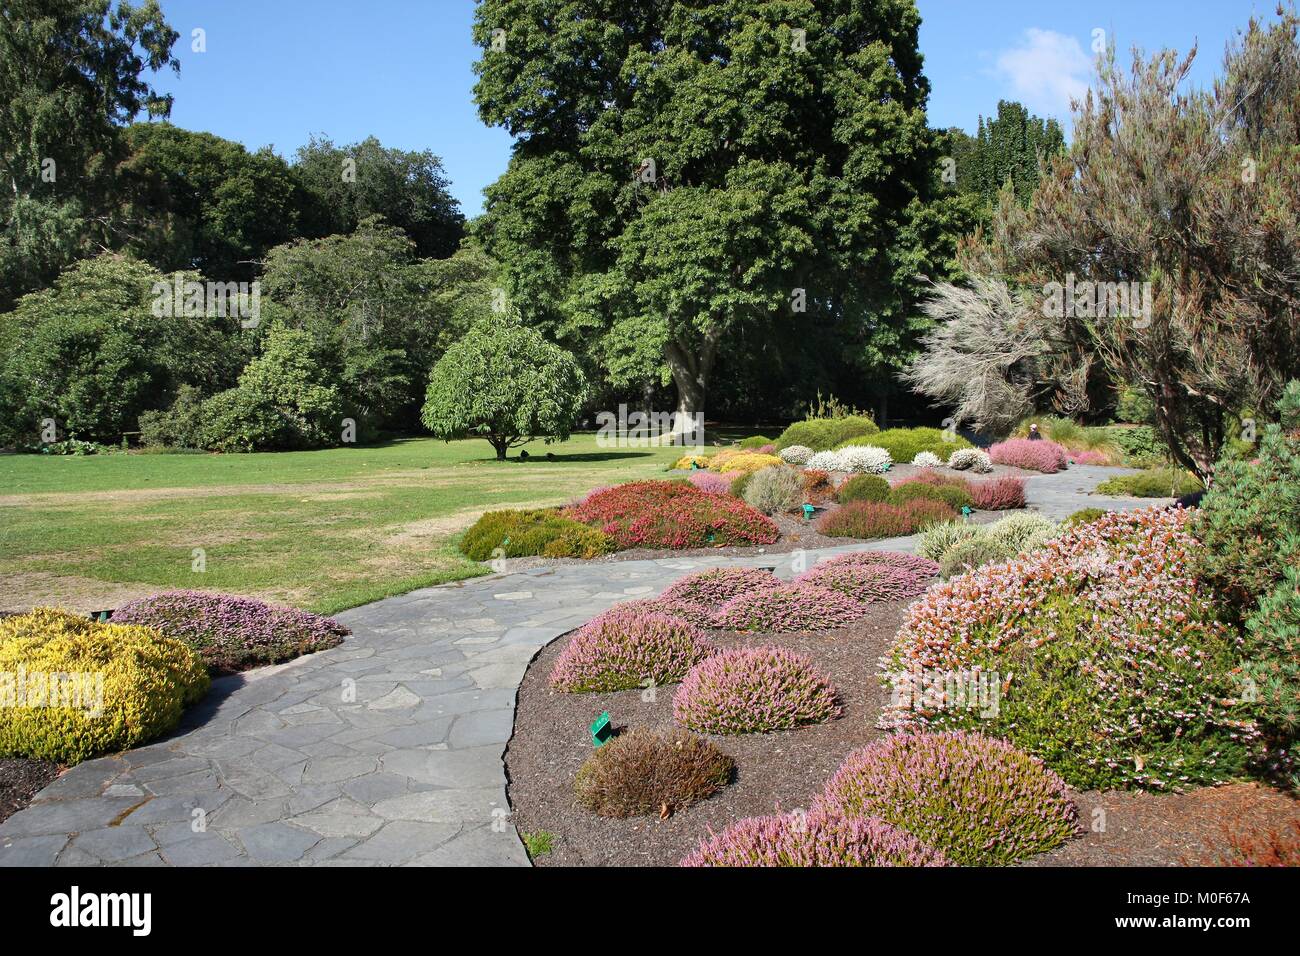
x=697, y=614
x=1108, y=660
x=768, y=449
x=998, y=494
x=716, y=586
x=1042, y=455
x=922, y=568
x=789, y=607
x=233, y=633
x=753, y=690
x=815, y=839
x=1090, y=456
x=710, y=482
x=868, y=583
x=979, y=801
x=672, y=514
x=625, y=647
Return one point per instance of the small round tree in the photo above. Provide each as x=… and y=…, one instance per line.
x=506, y=383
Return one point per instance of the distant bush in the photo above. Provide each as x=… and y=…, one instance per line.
x=922, y=568
x=1135, y=406
x=863, y=488
x=1094, y=443
x=1041, y=455
x=624, y=648
x=686, y=461
x=183, y=425
x=904, y=444
x=754, y=690
x=672, y=514
x=747, y=462
x=871, y=519
x=711, y=482
x=774, y=490
x=1082, y=516
x=1154, y=483
x=998, y=494
x=1140, y=446
x=544, y=531
x=755, y=442
x=808, y=840
x=823, y=434
x=863, y=459
x=927, y=459
x=642, y=772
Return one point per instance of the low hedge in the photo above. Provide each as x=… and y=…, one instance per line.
x=1152, y=483
x=543, y=531
x=904, y=444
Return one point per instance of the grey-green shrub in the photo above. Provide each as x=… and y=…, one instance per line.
x=938, y=539
x=971, y=553
x=774, y=489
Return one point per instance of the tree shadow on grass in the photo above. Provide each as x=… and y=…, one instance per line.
x=576, y=457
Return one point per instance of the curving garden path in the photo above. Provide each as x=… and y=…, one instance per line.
x=385, y=750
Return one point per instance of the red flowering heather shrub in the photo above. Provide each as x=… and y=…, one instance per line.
x=998, y=494
x=789, y=607
x=877, y=519
x=1042, y=455
x=1108, y=618
x=710, y=482
x=868, y=583
x=977, y=800
x=816, y=839
x=233, y=633
x=717, y=586
x=753, y=690
x=672, y=514
x=922, y=568
x=623, y=648
x=937, y=478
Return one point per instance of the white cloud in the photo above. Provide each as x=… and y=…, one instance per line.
x=1045, y=71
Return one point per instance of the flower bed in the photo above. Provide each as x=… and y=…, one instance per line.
x=672, y=514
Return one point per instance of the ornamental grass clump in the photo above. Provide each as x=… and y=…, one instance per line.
x=717, y=586
x=72, y=688
x=998, y=494
x=672, y=514
x=1114, y=668
x=813, y=839
x=1041, y=455
x=754, y=690
x=789, y=607
x=871, y=519
x=626, y=647
x=867, y=583
x=979, y=801
x=234, y=633
x=642, y=772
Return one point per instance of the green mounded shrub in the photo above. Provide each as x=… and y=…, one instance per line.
x=960, y=547
x=1134, y=406
x=180, y=426
x=1273, y=663
x=1082, y=516
x=755, y=442
x=739, y=484
x=643, y=772
x=938, y=539
x=970, y=554
x=904, y=444
x=774, y=490
x=862, y=488
x=89, y=687
x=1139, y=446
x=954, y=497
x=543, y=531
x=1022, y=532
x=1152, y=483
x=824, y=434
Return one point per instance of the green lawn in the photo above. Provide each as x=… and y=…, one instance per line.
x=324, y=530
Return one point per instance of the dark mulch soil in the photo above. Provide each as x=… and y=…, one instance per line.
x=784, y=771
x=20, y=780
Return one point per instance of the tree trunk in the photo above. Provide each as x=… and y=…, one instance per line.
x=690, y=369
x=502, y=445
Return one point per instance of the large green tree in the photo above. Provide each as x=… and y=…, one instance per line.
x=1014, y=147
x=689, y=173
x=71, y=73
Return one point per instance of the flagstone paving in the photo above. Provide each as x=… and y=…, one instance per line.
x=386, y=750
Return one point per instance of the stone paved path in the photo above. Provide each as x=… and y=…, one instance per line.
x=386, y=750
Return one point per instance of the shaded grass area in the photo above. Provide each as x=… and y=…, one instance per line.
x=322, y=530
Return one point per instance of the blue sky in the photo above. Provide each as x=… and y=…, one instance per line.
x=277, y=71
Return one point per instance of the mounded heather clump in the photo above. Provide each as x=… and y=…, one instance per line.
x=815, y=839
x=921, y=567
x=955, y=497
x=872, y=519
x=624, y=648
x=642, y=772
x=233, y=633
x=795, y=454
x=754, y=690
x=1114, y=669
x=864, y=459
x=515, y=533
x=970, y=459
x=817, y=487
x=824, y=461
x=862, y=488
x=717, y=586
x=789, y=607
x=774, y=490
x=938, y=539
x=1041, y=455
x=999, y=494
x=970, y=554
x=868, y=583
x=1022, y=532
x=672, y=514
x=977, y=800
x=927, y=459
x=710, y=482
x=697, y=614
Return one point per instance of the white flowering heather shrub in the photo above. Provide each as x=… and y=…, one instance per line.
x=1123, y=676
x=864, y=459
x=824, y=461
x=970, y=459
x=927, y=459
x=813, y=839
x=754, y=690
x=979, y=801
x=796, y=454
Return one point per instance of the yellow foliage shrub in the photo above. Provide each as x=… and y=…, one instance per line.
x=701, y=461
x=747, y=464
x=72, y=688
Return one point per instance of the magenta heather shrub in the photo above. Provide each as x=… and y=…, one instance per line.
x=697, y=614
x=1042, y=455
x=1090, y=456
x=789, y=607
x=978, y=800
x=999, y=494
x=868, y=583
x=752, y=690
x=625, y=647
x=816, y=839
x=710, y=481
x=923, y=568
x=717, y=586
x=233, y=633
